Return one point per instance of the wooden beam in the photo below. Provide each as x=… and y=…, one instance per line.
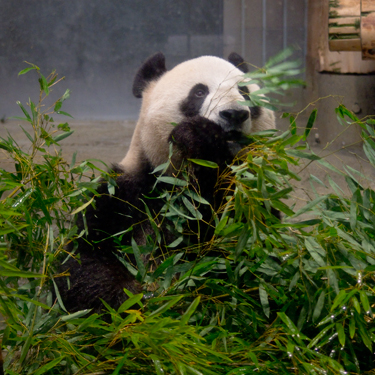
x=351, y=26
x=343, y=30
x=354, y=21
x=344, y=8
x=345, y=44
x=344, y=26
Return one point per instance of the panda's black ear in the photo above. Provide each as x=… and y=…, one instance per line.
x=237, y=60
x=152, y=69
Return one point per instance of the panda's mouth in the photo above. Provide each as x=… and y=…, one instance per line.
x=233, y=135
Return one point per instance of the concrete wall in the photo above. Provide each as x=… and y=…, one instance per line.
x=259, y=29
x=99, y=45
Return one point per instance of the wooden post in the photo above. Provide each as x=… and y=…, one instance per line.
x=368, y=29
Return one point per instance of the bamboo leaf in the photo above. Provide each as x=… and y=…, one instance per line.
x=356, y=304
x=75, y=315
x=66, y=95
x=25, y=112
x=352, y=327
x=26, y=347
x=120, y=364
x=64, y=113
x=338, y=299
x=364, y=335
x=164, y=308
x=190, y=311
x=62, y=136
x=364, y=301
x=130, y=303
x=320, y=335
x=172, y=181
x=81, y=208
x=24, y=71
x=204, y=163
x=49, y=365
x=138, y=258
x=310, y=123
x=310, y=205
x=27, y=135
x=193, y=210
x=341, y=333
x=263, y=295
x=43, y=84
x=319, y=306
x=19, y=273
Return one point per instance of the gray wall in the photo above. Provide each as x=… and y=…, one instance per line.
x=98, y=46
x=259, y=29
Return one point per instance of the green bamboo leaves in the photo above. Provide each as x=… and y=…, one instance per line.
x=261, y=295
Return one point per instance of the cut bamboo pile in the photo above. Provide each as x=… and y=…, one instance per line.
x=352, y=26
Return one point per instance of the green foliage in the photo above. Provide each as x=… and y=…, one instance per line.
x=274, y=78
x=261, y=295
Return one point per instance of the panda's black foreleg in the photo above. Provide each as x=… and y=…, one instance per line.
x=200, y=138
x=95, y=272
x=95, y=276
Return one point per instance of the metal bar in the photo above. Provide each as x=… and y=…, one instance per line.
x=264, y=32
x=306, y=24
x=243, y=47
x=285, y=24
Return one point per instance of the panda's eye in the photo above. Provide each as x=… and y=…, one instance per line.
x=200, y=93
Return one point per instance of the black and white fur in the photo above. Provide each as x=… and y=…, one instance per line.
x=201, y=96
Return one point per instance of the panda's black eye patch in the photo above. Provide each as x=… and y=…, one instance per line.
x=244, y=91
x=192, y=105
x=254, y=111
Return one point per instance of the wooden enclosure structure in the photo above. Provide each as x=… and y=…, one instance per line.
x=352, y=26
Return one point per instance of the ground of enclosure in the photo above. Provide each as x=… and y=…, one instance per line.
x=109, y=141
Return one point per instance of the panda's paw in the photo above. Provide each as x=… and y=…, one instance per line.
x=234, y=148
x=200, y=138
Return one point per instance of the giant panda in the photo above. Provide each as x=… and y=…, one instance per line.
x=194, y=111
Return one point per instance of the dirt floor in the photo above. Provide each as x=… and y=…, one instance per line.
x=109, y=141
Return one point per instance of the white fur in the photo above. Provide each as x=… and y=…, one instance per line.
x=161, y=106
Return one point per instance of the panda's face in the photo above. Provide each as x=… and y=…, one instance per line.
x=206, y=86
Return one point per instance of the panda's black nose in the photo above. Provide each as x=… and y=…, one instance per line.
x=234, y=117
